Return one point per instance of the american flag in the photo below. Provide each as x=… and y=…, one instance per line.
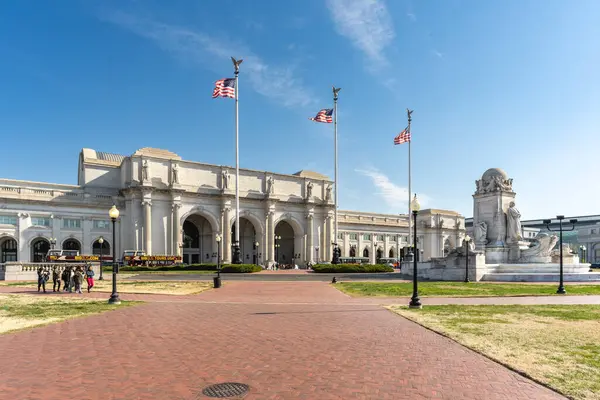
x=224, y=88
x=324, y=116
x=403, y=137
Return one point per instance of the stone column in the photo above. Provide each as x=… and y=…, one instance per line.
x=310, y=237
x=330, y=237
x=271, y=236
x=359, y=245
x=374, y=246
x=176, y=229
x=346, y=252
x=147, y=204
x=226, y=232
x=386, y=246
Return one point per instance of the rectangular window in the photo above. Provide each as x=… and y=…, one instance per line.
x=72, y=223
x=40, y=221
x=392, y=238
x=367, y=236
x=101, y=224
x=340, y=235
x=8, y=220
x=354, y=236
x=593, y=232
x=380, y=238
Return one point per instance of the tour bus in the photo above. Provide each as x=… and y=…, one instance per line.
x=57, y=255
x=139, y=257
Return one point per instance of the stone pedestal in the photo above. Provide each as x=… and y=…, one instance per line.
x=496, y=254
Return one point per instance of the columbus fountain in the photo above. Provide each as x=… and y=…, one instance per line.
x=498, y=251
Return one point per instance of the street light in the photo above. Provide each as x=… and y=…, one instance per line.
x=217, y=280
x=583, y=249
x=467, y=240
x=101, y=241
x=113, y=213
x=277, y=246
x=317, y=250
x=256, y=251
x=415, y=302
x=52, y=242
x=547, y=222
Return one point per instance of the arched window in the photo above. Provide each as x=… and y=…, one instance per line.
x=379, y=253
x=391, y=254
x=71, y=244
x=39, y=250
x=366, y=252
x=352, y=251
x=8, y=250
x=101, y=249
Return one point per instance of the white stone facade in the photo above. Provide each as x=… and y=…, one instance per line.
x=172, y=206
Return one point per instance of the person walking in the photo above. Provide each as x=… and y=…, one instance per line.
x=77, y=279
x=89, y=277
x=55, y=278
x=66, y=276
x=42, y=278
x=71, y=279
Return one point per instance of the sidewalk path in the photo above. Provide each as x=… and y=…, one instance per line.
x=254, y=333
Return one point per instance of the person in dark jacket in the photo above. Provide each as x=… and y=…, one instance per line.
x=78, y=279
x=66, y=277
x=56, y=278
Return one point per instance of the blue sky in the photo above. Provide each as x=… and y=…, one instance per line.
x=509, y=84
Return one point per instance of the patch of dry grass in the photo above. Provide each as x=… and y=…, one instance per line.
x=19, y=311
x=132, y=286
x=557, y=345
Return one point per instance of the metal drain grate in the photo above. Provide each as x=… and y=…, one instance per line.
x=225, y=390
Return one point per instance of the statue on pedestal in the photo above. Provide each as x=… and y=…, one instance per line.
x=309, y=188
x=145, y=170
x=225, y=179
x=542, y=247
x=328, y=193
x=175, y=174
x=513, y=224
x=270, y=185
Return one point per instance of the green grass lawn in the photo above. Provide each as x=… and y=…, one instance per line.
x=558, y=345
x=25, y=311
x=460, y=289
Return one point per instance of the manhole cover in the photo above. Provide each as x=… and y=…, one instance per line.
x=224, y=390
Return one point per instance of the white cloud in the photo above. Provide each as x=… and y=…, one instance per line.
x=367, y=24
x=395, y=196
x=276, y=82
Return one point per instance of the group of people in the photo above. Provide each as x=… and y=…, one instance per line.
x=71, y=276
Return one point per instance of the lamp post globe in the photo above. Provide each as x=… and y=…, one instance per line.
x=113, y=213
x=101, y=241
x=415, y=302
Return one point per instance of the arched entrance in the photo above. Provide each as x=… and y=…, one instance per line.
x=248, y=237
x=39, y=249
x=379, y=254
x=101, y=249
x=366, y=252
x=353, y=251
x=284, y=243
x=8, y=250
x=72, y=244
x=198, y=240
x=392, y=253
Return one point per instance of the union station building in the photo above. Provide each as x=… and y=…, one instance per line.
x=171, y=206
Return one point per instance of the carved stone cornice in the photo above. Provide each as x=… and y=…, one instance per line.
x=23, y=215
x=147, y=202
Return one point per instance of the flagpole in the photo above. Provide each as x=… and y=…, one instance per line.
x=236, y=245
x=409, y=114
x=336, y=252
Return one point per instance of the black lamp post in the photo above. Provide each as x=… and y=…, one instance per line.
x=467, y=240
x=217, y=280
x=415, y=302
x=114, y=297
x=101, y=241
x=277, y=245
x=256, y=244
x=547, y=222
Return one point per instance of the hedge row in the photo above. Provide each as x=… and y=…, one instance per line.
x=333, y=268
x=225, y=268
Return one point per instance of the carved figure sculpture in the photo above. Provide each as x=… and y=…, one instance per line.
x=513, y=224
x=462, y=250
x=309, y=188
x=225, y=178
x=145, y=170
x=480, y=231
x=175, y=173
x=328, y=193
x=270, y=185
x=542, y=246
x=494, y=184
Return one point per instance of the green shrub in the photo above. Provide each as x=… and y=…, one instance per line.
x=225, y=268
x=349, y=268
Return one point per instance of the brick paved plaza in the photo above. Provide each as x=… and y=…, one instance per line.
x=287, y=340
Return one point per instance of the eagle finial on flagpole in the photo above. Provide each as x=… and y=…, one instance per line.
x=236, y=64
x=335, y=92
